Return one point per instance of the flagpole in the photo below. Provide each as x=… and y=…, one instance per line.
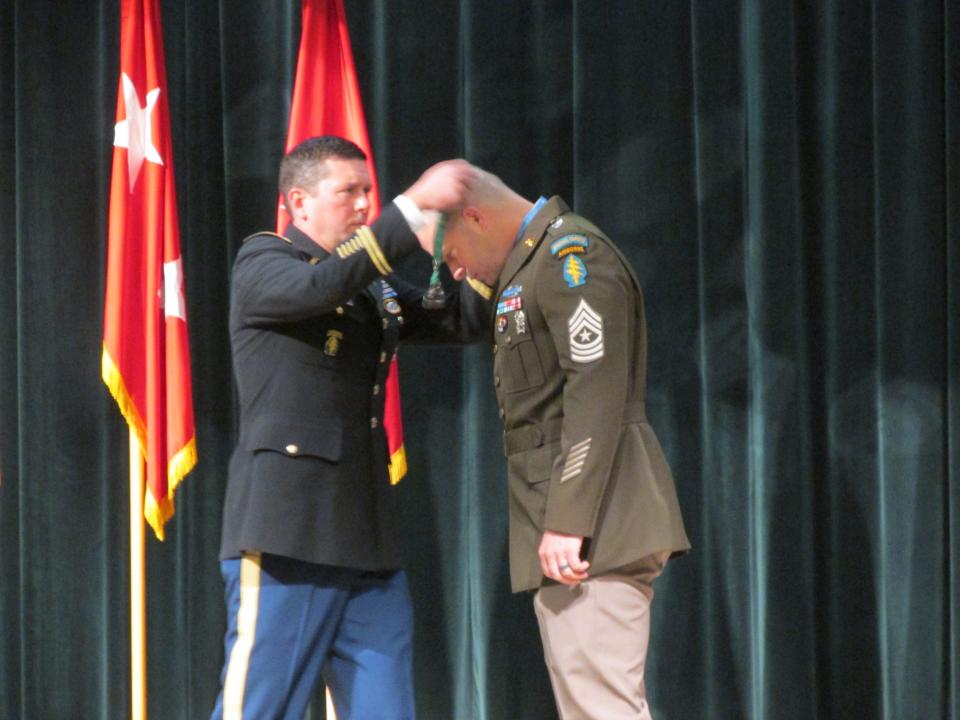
x=138, y=583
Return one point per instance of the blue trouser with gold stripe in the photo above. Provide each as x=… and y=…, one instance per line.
x=288, y=622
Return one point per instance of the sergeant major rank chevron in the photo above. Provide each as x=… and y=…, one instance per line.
x=586, y=334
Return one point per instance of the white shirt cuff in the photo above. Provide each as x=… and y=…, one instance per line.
x=411, y=212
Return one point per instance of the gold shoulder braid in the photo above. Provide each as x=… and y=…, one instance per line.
x=480, y=288
x=365, y=240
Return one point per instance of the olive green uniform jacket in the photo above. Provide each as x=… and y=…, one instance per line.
x=570, y=364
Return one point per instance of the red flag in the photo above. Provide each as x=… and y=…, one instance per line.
x=146, y=354
x=326, y=101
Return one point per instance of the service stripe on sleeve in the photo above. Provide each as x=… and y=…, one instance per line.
x=575, y=460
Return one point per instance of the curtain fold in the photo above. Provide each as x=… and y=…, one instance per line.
x=951, y=454
x=784, y=177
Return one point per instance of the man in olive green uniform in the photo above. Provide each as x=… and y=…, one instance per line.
x=593, y=510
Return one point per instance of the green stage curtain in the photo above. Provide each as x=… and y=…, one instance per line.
x=785, y=178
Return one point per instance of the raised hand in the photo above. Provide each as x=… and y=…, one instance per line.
x=443, y=186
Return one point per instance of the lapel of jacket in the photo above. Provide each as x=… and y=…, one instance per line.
x=532, y=237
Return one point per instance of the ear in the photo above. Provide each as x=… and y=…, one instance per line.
x=475, y=218
x=295, y=198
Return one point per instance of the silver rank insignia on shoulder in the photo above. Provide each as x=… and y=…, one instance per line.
x=521, y=321
x=332, y=346
x=586, y=334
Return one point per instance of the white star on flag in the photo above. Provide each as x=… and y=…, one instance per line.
x=136, y=132
x=174, y=303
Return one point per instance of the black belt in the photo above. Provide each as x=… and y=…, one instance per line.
x=531, y=436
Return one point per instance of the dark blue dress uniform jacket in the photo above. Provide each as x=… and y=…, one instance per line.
x=312, y=337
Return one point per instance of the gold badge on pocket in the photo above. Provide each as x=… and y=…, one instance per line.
x=332, y=346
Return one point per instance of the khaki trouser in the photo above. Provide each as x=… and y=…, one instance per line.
x=595, y=638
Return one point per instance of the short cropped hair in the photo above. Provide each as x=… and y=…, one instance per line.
x=303, y=166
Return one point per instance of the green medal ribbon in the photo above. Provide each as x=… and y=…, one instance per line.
x=435, y=298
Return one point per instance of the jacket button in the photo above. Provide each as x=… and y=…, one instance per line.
x=373, y=422
x=496, y=381
x=502, y=414
x=494, y=349
x=376, y=389
x=292, y=449
x=339, y=309
x=383, y=357
x=509, y=340
x=386, y=323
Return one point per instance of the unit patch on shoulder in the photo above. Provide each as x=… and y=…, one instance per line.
x=586, y=334
x=574, y=271
x=576, y=244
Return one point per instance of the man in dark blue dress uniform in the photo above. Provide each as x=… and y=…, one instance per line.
x=309, y=554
